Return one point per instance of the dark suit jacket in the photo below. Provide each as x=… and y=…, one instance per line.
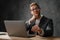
x=45, y=23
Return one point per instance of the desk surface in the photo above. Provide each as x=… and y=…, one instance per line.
x=33, y=38
x=36, y=38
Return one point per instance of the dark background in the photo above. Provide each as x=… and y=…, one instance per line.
x=19, y=10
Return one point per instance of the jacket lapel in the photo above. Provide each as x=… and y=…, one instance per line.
x=41, y=22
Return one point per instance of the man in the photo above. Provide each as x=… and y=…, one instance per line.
x=38, y=23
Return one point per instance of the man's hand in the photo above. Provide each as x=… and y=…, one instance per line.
x=36, y=28
x=32, y=19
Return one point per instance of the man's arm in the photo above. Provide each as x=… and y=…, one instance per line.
x=28, y=23
x=48, y=31
x=29, y=27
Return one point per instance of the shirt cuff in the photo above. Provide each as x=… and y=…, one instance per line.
x=41, y=33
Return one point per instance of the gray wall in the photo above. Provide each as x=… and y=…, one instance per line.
x=19, y=10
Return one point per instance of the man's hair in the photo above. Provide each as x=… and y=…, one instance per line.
x=34, y=3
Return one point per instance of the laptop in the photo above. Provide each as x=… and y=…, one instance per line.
x=16, y=28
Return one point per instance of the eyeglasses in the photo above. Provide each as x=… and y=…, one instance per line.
x=35, y=9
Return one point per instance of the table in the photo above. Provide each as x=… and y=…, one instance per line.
x=36, y=38
x=31, y=38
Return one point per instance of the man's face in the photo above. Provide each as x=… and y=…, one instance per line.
x=35, y=10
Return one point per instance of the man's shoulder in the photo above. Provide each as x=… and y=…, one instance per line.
x=46, y=18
